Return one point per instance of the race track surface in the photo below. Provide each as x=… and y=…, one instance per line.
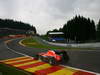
x=5, y=53
x=87, y=60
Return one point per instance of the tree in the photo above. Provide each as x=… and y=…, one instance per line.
x=54, y=30
x=80, y=29
x=98, y=31
x=98, y=26
x=8, y=26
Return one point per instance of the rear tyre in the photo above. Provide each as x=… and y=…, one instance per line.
x=65, y=57
x=52, y=61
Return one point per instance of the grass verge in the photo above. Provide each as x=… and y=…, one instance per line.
x=8, y=70
x=32, y=42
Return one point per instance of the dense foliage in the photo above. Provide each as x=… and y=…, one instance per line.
x=80, y=29
x=7, y=23
x=8, y=26
x=98, y=31
x=54, y=30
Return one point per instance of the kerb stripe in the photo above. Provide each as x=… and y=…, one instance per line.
x=18, y=61
x=44, y=66
x=38, y=67
x=48, y=70
x=22, y=62
x=83, y=73
x=31, y=65
x=32, y=62
x=64, y=71
x=15, y=59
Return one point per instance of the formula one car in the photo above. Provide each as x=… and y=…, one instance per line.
x=53, y=57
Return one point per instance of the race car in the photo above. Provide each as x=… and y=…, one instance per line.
x=53, y=57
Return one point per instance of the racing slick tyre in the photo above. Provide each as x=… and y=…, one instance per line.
x=36, y=57
x=52, y=61
x=40, y=57
x=65, y=57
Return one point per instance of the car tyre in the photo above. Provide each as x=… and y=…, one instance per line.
x=65, y=57
x=52, y=61
x=36, y=57
x=40, y=57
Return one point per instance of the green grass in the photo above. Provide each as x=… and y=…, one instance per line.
x=32, y=42
x=8, y=70
x=45, y=37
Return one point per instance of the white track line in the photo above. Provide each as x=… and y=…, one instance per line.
x=81, y=70
x=20, y=42
x=14, y=50
x=61, y=65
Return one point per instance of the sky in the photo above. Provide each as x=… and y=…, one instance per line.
x=48, y=14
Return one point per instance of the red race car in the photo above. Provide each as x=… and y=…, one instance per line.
x=53, y=57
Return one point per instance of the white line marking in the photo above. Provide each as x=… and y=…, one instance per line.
x=14, y=50
x=20, y=42
x=82, y=70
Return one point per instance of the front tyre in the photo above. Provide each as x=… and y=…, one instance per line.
x=40, y=57
x=36, y=57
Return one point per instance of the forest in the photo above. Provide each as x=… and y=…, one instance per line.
x=9, y=27
x=80, y=29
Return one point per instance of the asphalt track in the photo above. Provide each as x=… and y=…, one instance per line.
x=5, y=53
x=88, y=60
